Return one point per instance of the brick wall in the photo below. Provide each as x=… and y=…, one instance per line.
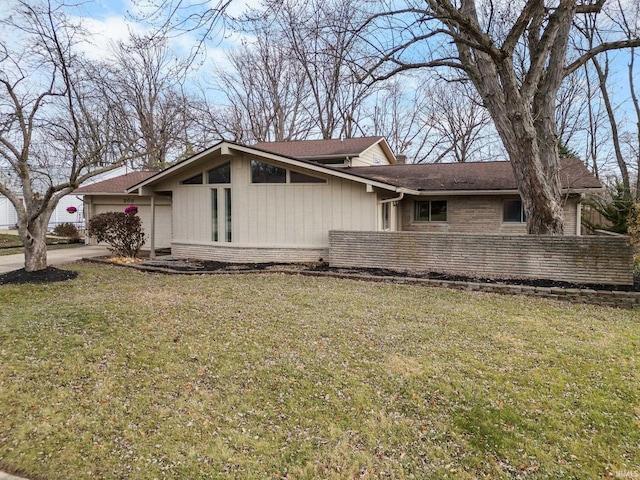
x=237, y=254
x=593, y=259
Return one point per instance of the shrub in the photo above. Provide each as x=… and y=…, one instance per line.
x=122, y=231
x=67, y=230
x=615, y=208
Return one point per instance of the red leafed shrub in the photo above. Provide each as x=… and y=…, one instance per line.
x=122, y=231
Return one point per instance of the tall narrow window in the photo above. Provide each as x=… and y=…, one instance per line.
x=214, y=214
x=227, y=208
x=386, y=216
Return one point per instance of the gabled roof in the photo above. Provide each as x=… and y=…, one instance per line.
x=114, y=186
x=324, y=149
x=224, y=148
x=415, y=179
x=471, y=177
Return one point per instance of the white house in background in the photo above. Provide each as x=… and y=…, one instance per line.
x=9, y=216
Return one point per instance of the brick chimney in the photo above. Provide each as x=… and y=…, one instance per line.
x=401, y=158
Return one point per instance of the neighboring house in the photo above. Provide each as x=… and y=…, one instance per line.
x=110, y=196
x=9, y=216
x=278, y=201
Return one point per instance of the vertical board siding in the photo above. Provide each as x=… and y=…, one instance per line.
x=590, y=260
x=275, y=215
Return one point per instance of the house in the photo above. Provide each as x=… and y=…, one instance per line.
x=110, y=196
x=278, y=202
x=9, y=216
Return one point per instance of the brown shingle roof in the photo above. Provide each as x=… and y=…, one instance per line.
x=307, y=149
x=115, y=185
x=476, y=176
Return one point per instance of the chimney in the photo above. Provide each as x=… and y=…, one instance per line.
x=401, y=158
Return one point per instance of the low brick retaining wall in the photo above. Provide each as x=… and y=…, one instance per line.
x=242, y=254
x=583, y=260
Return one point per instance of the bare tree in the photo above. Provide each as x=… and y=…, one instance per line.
x=266, y=95
x=321, y=37
x=433, y=121
x=149, y=81
x=56, y=130
x=463, y=126
x=516, y=57
x=401, y=113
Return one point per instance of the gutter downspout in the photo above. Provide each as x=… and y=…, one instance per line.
x=396, y=199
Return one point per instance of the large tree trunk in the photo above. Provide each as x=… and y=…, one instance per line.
x=34, y=235
x=35, y=253
x=535, y=167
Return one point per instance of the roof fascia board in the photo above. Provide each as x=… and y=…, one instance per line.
x=432, y=193
x=104, y=194
x=180, y=165
x=386, y=148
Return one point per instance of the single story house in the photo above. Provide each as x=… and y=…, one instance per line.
x=278, y=201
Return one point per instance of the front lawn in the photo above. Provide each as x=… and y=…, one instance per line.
x=123, y=374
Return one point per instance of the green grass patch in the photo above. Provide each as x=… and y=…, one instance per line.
x=124, y=374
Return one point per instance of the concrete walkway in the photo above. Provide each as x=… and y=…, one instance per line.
x=6, y=476
x=9, y=263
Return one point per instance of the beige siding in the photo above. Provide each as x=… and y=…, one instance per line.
x=274, y=215
x=117, y=203
x=369, y=157
x=192, y=213
x=476, y=214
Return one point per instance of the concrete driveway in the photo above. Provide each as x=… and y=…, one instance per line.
x=54, y=257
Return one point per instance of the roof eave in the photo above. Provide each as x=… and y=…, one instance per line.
x=427, y=193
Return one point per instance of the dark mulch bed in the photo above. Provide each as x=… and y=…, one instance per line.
x=210, y=266
x=49, y=274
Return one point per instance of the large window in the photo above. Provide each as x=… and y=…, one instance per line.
x=431, y=211
x=266, y=173
x=513, y=211
x=262, y=172
x=220, y=174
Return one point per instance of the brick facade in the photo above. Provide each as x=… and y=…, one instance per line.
x=477, y=214
x=585, y=260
